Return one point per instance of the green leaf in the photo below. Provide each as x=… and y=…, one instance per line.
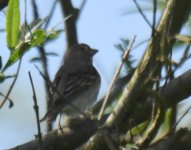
x=33, y=26
x=130, y=146
x=12, y=23
x=39, y=36
x=35, y=59
x=33, y=37
x=138, y=129
x=167, y=120
x=17, y=54
x=53, y=34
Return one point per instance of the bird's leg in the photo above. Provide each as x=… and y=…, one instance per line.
x=59, y=124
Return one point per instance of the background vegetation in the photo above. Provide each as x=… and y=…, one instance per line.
x=141, y=109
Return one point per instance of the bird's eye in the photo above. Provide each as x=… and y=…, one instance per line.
x=82, y=48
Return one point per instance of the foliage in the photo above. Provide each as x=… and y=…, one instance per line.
x=21, y=38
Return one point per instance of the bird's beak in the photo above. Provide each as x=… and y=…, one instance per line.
x=93, y=51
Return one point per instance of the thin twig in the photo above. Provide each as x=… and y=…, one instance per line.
x=35, y=9
x=36, y=108
x=50, y=14
x=119, y=84
x=59, y=124
x=12, y=85
x=42, y=53
x=150, y=134
x=180, y=119
x=140, y=44
x=82, y=5
x=81, y=9
x=154, y=105
x=125, y=56
x=154, y=16
x=11, y=104
x=175, y=125
x=62, y=21
x=70, y=24
x=143, y=15
x=182, y=38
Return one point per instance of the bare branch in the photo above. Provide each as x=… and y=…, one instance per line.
x=36, y=108
x=79, y=133
x=44, y=61
x=50, y=14
x=148, y=68
x=81, y=8
x=75, y=135
x=70, y=24
x=125, y=56
x=12, y=85
x=142, y=14
x=154, y=16
x=11, y=104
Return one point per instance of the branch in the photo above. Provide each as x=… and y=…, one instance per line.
x=69, y=139
x=180, y=140
x=36, y=108
x=12, y=85
x=124, y=58
x=142, y=14
x=77, y=135
x=44, y=61
x=173, y=92
x=149, y=67
x=70, y=24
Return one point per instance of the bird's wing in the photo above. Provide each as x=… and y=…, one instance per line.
x=71, y=85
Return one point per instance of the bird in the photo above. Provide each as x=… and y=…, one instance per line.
x=76, y=84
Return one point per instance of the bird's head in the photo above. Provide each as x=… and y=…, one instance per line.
x=80, y=54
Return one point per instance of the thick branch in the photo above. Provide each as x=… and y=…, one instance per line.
x=170, y=24
x=68, y=138
x=70, y=24
x=180, y=140
x=77, y=136
x=174, y=92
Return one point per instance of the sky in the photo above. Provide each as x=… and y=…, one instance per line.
x=101, y=25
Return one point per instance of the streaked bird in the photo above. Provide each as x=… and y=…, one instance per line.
x=77, y=81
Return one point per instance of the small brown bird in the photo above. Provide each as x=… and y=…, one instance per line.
x=77, y=81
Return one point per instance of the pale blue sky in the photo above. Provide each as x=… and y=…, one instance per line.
x=101, y=25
